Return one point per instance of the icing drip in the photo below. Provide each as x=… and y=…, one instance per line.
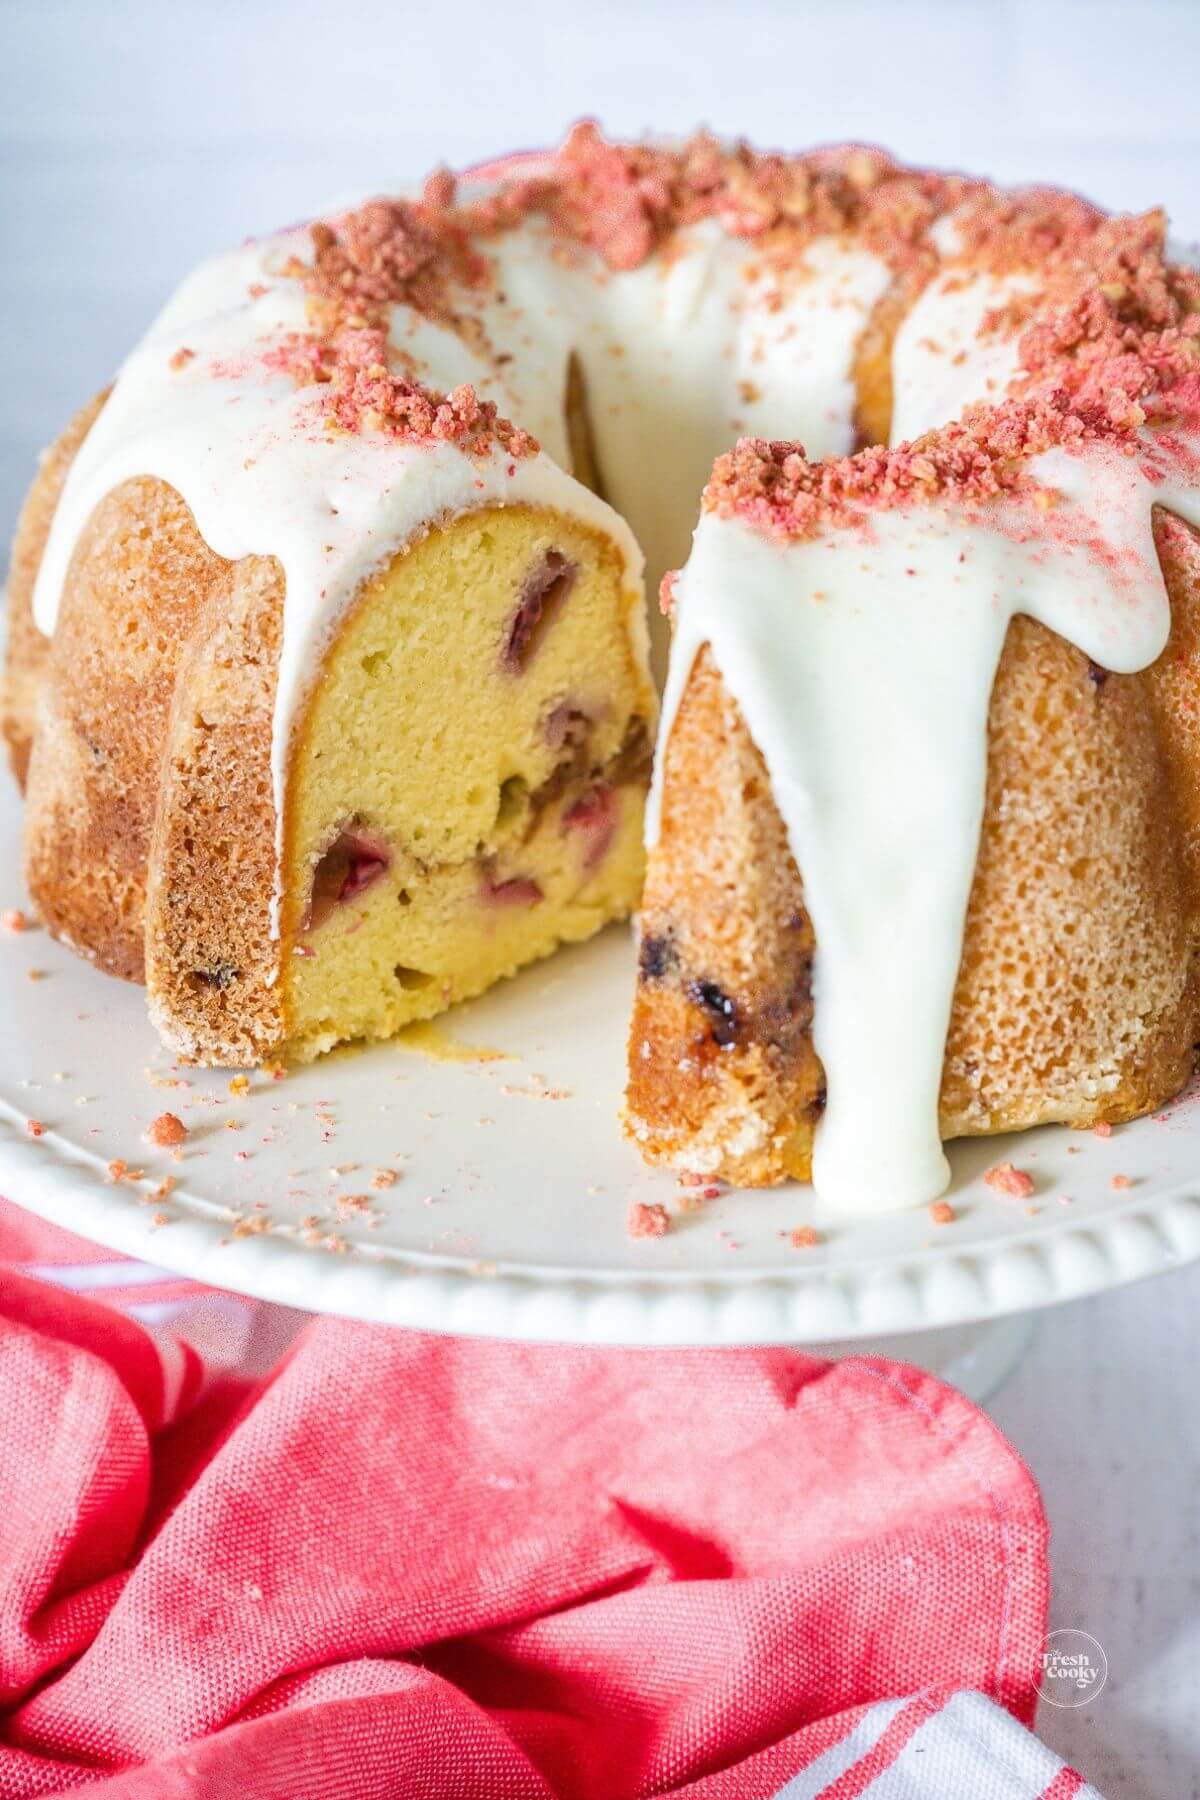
x=863, y=664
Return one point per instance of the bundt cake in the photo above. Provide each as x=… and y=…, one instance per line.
x=329, y=684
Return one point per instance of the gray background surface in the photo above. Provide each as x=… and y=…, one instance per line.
x=139, y=135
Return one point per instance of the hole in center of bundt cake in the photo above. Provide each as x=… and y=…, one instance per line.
x=353, y=863
x=543, y=591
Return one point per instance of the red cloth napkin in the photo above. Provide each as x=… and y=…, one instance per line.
x=406, y=1565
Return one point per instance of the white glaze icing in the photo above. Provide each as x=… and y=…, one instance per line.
x=666, y=351
x=249, y=453
x=940, y=361
x=863, y=662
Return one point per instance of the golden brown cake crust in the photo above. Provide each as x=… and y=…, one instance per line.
x=1174, y=688
x=149, y=834
x=722, y=1069
x=212, y=964
x=137, y=587
x=1074, y=1001
x=27, y=648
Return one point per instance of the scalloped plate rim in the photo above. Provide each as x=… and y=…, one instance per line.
x=506, y=1300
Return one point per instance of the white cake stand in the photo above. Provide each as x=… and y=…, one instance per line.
x=508, y=1211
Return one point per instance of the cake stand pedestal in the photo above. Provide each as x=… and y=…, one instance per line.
x=976, y=1359
x=473, y=1179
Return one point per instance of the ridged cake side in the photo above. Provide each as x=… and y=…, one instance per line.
x=1076, y=999
x=151, y=830
x=26, y=647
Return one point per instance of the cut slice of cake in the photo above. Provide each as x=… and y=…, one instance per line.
x=467, y=782
x=463, y=776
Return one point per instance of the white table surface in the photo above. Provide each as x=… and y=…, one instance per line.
x=1105, y=1409
x=134, y=138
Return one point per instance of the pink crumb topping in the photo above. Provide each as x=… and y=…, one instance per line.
x=1006, y=1178
x=166, y=1131
x=1110, y=343
x=982, y=458
x=384, y=254
x=363, y=394
x=647, y=1219
x=359, y=392
x=624, y=199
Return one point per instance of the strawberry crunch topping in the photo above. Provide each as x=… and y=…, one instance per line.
x=383, y=255
x=1006, y=1178
x=624, y=201
x=361, y=392
x=647, y=1219
x=1007, y=230
x=1111, y=344
x=166, y=1131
